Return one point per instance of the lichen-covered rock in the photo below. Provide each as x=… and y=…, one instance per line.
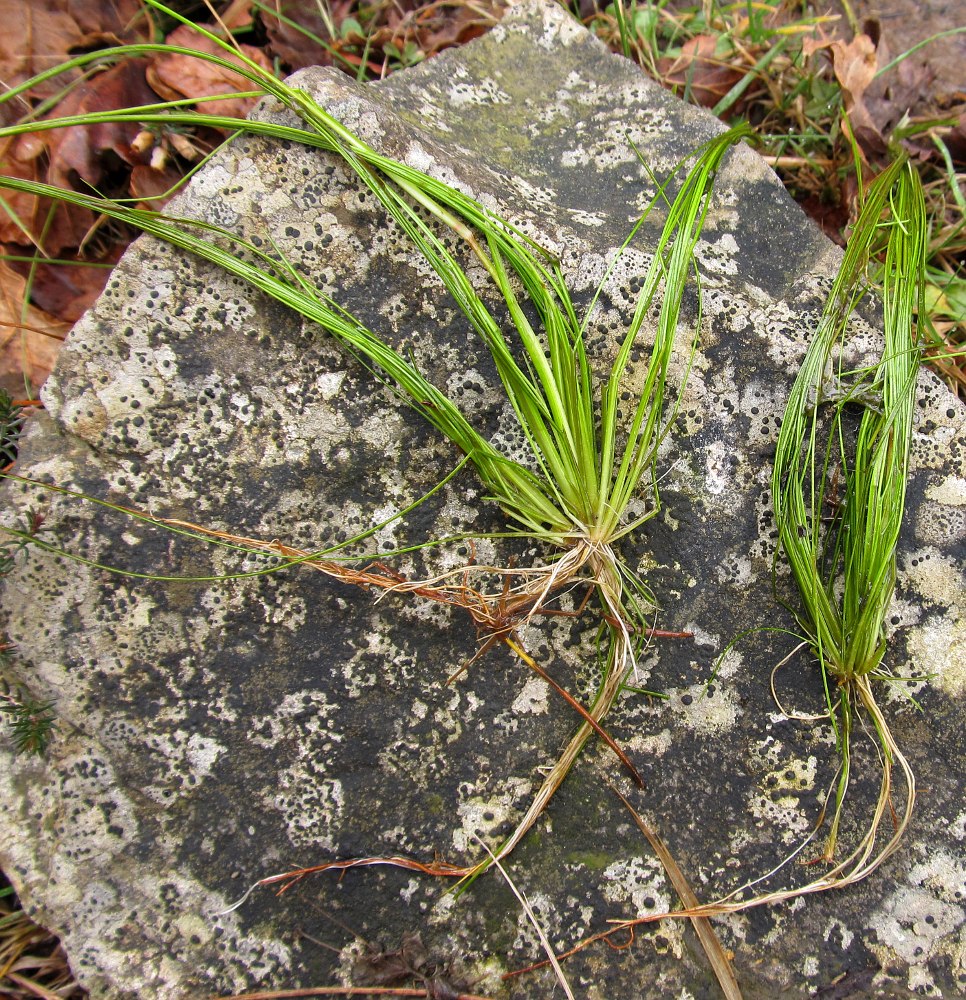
x=215, y=731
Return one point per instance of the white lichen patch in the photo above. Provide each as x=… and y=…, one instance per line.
x=360, y=672
x=778, y=799
x=532, y=699
x=548, y=915
x=479, y=92
x=939, y=524
x=202, y=754
x=638, y=886
x=718, y=459
x=779, y=328
x=950, y=490
x=720, y=256
x=934, y=575
x=939, y=645
x=762, y=404
x=303, y=716
x=919, y=920
x=649, y=745
x=330, y=384
x=311, y=805
x=735, y=568
x=838, y=932
x=934, y=438
x=594, y=219
x=903, y=615
x=309, y=800
x=93, y=825
x=703, y=713
x=481, y=815
x=188, y=760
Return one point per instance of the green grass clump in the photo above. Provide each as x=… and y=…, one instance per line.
x=839, y=494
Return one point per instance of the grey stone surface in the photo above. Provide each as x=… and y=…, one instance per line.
x=212, y=733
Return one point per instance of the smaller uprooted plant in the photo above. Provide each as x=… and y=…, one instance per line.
x=585, y=465
x=839, y=493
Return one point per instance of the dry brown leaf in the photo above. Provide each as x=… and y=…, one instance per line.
x=855, y=64
x=123, y=18
x=67, y=291
x=706, y=75
x=39, y=34
x=448, y=27
x=53, y=226
x=875, y=104
x=176, y=76
x=867, y=132
x=238, y=14
x=956, y=140
x=35, y=39
x=148, y=185
x=292, y=45
x=19, y=160
x=893, y=95
x=815, y=42
x=83, y=150
x=24, y=351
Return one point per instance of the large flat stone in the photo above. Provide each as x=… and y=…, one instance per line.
x=211, y=733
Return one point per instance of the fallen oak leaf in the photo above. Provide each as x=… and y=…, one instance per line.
x=66, y=291
x=44, y=33
x=702, y=69
x=892, y=93
x=955, y=140
x=152, y=186
x=818, y=41
x=51, y=226
x=30, y=340
x=439, y=27
x=855, y=65
x=238, y=14
x=290, y=33
x=89, y=151
x=78, y=153
x=36, y=38
x=175, y=76
x=865, y=131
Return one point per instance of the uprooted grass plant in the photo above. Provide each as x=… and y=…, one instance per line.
x=586, y=468
x=838, y=493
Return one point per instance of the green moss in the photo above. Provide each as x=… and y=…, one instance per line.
x=595, y=860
